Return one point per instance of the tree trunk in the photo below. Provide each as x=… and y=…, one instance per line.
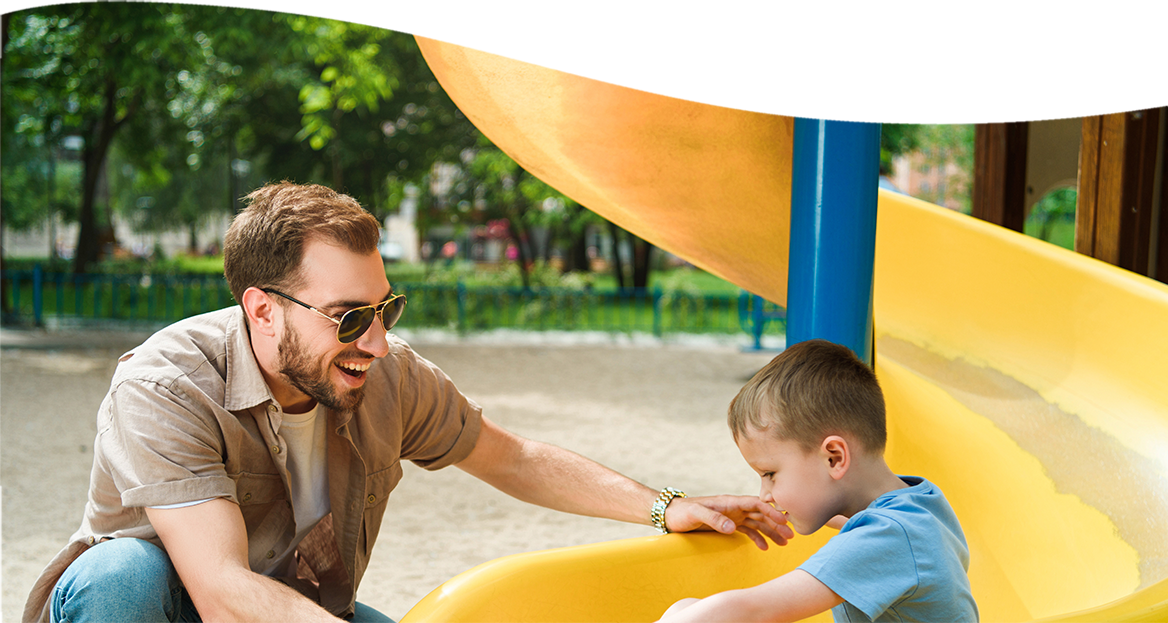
x=97, y=144
x=642, y=260
x=193, y=239
x=576, y=255
x=5, y=19
x=618, y=269
x=523, y=257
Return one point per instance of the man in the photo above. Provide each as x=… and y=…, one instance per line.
x=244, y=457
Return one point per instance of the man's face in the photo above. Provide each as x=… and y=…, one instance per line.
x=310, y=358
x=794, y=480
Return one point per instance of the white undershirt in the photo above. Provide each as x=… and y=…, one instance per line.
x=307, y=477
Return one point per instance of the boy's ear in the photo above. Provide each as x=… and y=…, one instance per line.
x=837, y=454
x=260, y=311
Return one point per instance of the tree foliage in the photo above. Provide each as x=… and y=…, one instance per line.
x=180, y=106
x=180, y=109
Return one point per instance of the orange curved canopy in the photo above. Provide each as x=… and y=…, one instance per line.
x=709, y=183
x=1025, y=380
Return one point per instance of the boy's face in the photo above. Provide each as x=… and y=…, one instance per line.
x=794, y=480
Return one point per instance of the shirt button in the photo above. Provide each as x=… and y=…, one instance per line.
x=271, y=553
x=91, y=540
x=275, y=449
x=247, y=497
x=272, y=408
x=371, y=499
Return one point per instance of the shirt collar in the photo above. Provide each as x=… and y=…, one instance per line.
x=246, y=387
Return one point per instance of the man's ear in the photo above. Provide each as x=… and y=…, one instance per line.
x=837, y=454
x=260, y=310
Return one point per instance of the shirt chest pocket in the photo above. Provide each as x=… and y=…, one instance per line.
x=258, y=489
x=378, y=486
x=267, y=516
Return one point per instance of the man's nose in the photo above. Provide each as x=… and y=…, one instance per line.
x=373, y=341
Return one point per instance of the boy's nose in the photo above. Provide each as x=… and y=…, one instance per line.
x=764, y=494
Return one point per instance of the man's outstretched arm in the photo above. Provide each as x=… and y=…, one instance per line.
x=207, y=543
x=556, y=478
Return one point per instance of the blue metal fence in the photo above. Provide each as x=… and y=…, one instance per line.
x=36, y=295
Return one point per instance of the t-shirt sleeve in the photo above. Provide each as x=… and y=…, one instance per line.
x=159, y=449
x=870, y=564
x=440, y=425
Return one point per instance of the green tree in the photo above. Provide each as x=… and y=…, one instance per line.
x=199, y=104
x=1053, y=217
x=374, y=109
x=506, y=190
x=89, y=69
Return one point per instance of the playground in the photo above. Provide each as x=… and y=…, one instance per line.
x=600, y=399
x=1025, y=380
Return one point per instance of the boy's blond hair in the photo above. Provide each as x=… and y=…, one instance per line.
x=265, y=244
x=809, y=391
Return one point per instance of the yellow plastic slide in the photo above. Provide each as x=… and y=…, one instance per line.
x=1026, y=384
x=1027, y=381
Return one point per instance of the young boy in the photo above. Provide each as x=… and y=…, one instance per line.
x=811, y=423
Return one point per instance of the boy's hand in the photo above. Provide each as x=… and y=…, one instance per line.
x=726, y=513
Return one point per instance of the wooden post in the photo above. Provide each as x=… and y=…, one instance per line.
x=1003, y=116
x=1117, y=176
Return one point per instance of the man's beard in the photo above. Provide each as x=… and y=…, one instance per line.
x=301, y=371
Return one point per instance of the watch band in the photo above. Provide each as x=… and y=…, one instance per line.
x=657, y=513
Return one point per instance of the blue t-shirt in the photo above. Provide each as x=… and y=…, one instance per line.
x=904, y=558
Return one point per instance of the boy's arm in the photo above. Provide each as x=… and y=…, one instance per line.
x=790, y=597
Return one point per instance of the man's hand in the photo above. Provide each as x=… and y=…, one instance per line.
x=726, y=513
x=555, y=478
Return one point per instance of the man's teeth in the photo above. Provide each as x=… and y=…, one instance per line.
x=356, y=367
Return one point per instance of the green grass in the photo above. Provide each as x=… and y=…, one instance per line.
x=685, y=278
x=683, y=299
x=676, y=308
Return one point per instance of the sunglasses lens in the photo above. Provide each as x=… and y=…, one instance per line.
x=354, y=324
x=393, y=312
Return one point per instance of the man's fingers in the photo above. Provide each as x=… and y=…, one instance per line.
x=726, y=514
x=759, y=541
x=771, y=512
x=719, y=522
x=779, y=535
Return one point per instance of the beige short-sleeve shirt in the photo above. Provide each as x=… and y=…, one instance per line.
x=189, y=417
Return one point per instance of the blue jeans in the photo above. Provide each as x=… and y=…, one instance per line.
x=133, y=580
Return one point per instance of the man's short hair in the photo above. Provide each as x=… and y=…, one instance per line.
x=265, y=244
x=811, y=390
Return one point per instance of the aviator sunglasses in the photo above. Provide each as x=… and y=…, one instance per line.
x=355, y=322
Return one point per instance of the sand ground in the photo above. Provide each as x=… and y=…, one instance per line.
x=653, y=410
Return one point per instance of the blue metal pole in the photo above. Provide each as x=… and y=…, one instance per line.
x=835, y=174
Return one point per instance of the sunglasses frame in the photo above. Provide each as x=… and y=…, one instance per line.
x=378, y=312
